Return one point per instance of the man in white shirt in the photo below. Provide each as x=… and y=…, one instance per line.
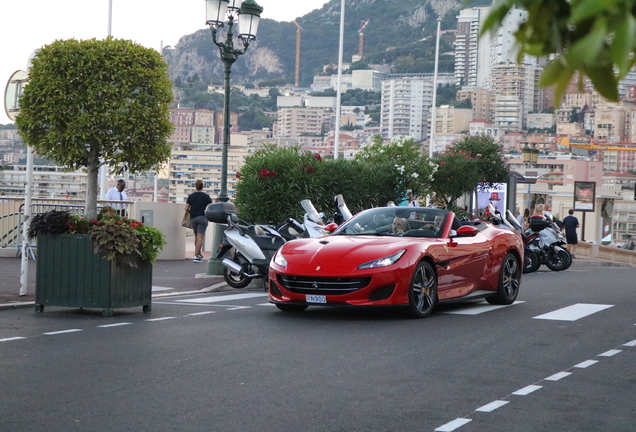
x=117, y=194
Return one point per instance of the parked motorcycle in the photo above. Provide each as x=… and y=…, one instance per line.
x=549, y=244
x=531, y=258
x=250, y=247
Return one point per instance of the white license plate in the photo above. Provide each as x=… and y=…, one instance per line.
x=315, y=298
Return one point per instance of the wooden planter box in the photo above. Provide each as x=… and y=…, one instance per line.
x=70, y=274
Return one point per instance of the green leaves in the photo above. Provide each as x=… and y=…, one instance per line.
x=595, y=38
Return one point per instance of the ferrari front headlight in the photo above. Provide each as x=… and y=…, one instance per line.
x=280, y=259
x=383, y=262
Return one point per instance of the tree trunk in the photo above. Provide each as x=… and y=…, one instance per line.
x=92, y=167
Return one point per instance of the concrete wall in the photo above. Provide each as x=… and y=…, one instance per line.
x=167, y=218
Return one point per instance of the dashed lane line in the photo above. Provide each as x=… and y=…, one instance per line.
x=62, y=332
x=114, y=325
x=451, y=426
x=12, y=339
x=460, y=421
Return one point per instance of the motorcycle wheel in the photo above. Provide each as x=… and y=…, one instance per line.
x=556, y=261
x=531, y=261
x=233, y=279
x=567, y=256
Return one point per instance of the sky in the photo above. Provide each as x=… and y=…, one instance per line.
x=27, y=25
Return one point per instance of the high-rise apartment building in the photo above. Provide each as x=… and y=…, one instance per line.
x=296, y=121
x=472, y=52
x=406, y=104
x=513, y=94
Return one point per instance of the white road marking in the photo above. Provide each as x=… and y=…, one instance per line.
x=610, y=353
x=160, y=319
x=12, y=339
x=477, y=308
x=114, y=325
x=266, y=304
x=201, y=313
x=630, y=343
x=62, y=332
x=492, y=406
x=451, y=426
x=216, y=299
x=585, y=364
x=158, y=288
x=239, y=307
x=574, y=312
x=558, y=376
x=527, y=390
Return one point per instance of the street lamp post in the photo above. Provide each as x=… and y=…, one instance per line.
x=530, y=156
x=220, y=13
x=248, y=13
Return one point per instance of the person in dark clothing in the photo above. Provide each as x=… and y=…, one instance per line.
x=196, y=204
x=570, y=224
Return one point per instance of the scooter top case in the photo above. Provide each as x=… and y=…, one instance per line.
x=219, y=212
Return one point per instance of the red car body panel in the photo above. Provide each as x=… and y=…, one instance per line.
x=463, y=265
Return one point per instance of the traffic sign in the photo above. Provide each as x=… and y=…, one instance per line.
x=12, y=93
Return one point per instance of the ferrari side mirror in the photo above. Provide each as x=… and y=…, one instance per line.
x=467, y=231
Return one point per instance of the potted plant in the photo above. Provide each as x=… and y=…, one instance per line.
x=105, y=262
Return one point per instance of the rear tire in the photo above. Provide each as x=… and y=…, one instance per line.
x=531, y=261
x=233, y=279
x=291, y=308
x=509, y=280
x=422, y=291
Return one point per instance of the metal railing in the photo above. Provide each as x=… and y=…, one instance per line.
x=12, y=214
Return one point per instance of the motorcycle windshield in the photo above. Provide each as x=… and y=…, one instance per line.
x=311, y=211
x=512, y=221
x=344, y=210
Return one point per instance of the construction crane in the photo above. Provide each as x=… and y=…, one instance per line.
x=617, y=146
x=363, y=25
x=299, y=31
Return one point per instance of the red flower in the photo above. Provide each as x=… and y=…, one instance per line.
x=310, y=169
x=94, y=221
x=119, y=223
x=442, y=163
x=238, y=175
x=318, y=157
x=264, y=172
x=273, y=174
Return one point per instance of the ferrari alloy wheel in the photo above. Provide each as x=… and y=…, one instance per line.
x=509, y=280
x=531, y=261
x=290, y=307
x=423, y=291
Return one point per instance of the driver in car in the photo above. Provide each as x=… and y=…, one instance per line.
x=399, y=226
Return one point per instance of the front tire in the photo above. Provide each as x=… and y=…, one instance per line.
x=422, y=291
x=509, y=280
x=557, y=261
x=531, y=261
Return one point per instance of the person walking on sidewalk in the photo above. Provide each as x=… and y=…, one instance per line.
x=570, y=224
x=196, y=204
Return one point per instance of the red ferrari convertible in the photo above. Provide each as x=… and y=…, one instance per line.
x=412, y=257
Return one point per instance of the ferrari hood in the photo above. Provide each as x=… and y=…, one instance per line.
x=335, y=254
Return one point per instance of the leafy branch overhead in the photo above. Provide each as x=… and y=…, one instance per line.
x=592, y=38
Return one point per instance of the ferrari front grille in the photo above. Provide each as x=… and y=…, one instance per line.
x=322, y=285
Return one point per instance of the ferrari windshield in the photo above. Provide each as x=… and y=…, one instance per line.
x=397, y=221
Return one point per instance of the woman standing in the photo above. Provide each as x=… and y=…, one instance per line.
x=196, y=204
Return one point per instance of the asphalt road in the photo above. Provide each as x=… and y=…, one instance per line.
x=216, y=363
